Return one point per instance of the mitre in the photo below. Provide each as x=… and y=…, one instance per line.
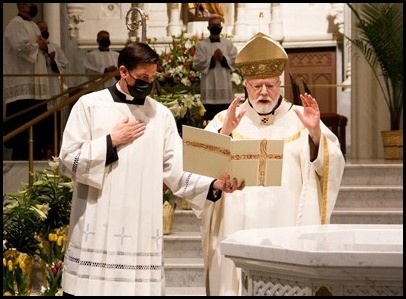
x=261, y=57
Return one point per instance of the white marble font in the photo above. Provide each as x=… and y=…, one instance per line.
x=334, y=259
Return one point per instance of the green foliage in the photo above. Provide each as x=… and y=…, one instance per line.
x=37, y=210
x=186, y=108
x=35, y=222
x=381, y=43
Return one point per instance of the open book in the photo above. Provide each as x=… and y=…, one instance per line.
x=257, y=162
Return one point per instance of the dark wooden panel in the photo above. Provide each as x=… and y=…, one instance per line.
x=315, y=66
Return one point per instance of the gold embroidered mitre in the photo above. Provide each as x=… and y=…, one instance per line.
x=261, y=57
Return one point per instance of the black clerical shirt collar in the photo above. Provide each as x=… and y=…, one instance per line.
x=103, y=49
x=214, y=39
x=23, y=17
x=120, y=97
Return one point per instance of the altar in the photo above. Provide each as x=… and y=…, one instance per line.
x=325, y=260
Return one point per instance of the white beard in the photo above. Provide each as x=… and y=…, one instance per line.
x=264, y=108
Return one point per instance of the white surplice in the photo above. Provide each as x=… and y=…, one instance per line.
x=216, y=86
x=115, y=236
x=55, y=81
x=96, y=61
x=306, y=196
x=21, y=55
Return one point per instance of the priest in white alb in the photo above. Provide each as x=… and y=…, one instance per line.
x=121, y=146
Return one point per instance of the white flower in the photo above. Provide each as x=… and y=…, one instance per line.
x=67, y=184
x=188, y=101
x=54, y=163
x=39, y=211
x=185, y=81
x=175, y=109
x=236, y=78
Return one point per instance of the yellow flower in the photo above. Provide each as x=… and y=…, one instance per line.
x=22, y=265
x=4, y=262
x=59, y=241
x=10, y=265
x=52, y=237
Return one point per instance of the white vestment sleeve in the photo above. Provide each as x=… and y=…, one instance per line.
x=201, y=60
x=81, y=155
x=183, y=184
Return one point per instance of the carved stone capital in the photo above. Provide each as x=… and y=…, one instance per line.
x=75, y=15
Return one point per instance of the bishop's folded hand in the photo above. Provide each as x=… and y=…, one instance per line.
x=228, y=185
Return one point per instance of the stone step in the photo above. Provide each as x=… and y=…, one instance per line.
x=177, y=291
x=183, y=244
x=373, y=173
x=184, y=272
x=370, y=196
x=185, y=221
x=367, y=216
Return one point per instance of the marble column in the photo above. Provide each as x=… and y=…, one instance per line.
x=369, y=113
x=175, y=25
x=239, y=20
x=276, y=24
x=158, y=19
x=252, y=18
x=52, y=15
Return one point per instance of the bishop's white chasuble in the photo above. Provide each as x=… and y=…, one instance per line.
x=306, y=196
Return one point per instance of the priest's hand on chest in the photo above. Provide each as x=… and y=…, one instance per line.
x=127, y=131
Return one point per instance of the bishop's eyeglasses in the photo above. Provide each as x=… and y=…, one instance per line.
x=258, y=87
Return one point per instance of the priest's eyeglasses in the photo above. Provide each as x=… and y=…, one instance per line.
x=143, y=77
x=258, y=87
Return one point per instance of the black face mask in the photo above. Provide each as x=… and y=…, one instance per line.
x=33, y=11
x=215, y=30
x=45, y=34
x=104, y=42
x=140, y=89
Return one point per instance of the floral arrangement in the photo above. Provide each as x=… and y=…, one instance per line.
x=185, y=107
x=169, y=206
x=16, y=273
x=178, y=81
x=176, y=71
x=35, y=224
x=167, y=193
x=51, y=252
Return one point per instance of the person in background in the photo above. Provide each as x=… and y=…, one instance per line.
x=56, y=60
x=56, y=64
x=121, y=146
x=312, y=169
x=23, y=54
x=215, y=60
x=102, y=60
